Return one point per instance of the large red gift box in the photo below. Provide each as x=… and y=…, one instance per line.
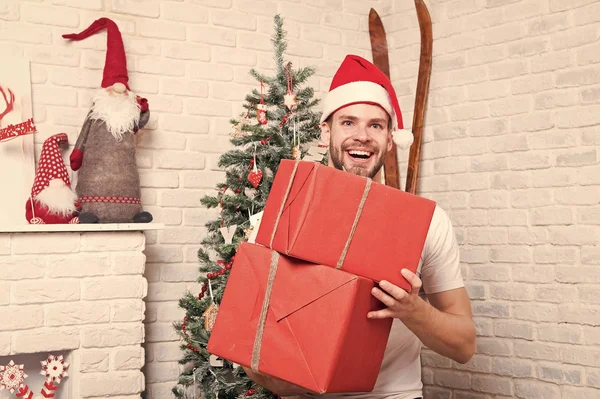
x=331, y=217
x=313, y=332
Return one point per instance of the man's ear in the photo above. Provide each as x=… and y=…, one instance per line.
x=325, y=133
x=390, y=142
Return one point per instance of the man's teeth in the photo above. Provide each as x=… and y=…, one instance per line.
x=363, y=153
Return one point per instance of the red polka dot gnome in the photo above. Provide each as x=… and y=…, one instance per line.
x=52, y=200
x=108, y=182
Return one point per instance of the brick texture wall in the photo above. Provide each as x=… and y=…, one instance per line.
x=511, y=151
x=80, y=295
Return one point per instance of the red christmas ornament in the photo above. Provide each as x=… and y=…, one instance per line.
x=255, y=177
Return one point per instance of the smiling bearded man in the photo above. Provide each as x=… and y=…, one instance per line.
x=361, y=116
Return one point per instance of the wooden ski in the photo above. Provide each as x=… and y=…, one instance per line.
x=423, y=79
x=379, y=50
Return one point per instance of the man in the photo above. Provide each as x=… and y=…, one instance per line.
x=360, y=113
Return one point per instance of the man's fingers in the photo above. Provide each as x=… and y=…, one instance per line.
x=395, y=291
x=412, y=278
x=383, y=297
x=381, y=314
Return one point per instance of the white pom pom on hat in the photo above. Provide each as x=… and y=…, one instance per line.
x=403, y=138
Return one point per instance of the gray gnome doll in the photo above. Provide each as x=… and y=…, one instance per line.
x=108, y=182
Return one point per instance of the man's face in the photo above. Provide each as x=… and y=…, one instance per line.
x=359, y=138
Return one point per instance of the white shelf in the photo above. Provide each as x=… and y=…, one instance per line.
x=45, y=228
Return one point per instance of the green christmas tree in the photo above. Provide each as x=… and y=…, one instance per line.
x=260, y=145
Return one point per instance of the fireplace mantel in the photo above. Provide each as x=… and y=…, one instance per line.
x=45, y=228
x=77, y=291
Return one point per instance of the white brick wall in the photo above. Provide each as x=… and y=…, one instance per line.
x=81, y=293
x=511, y=151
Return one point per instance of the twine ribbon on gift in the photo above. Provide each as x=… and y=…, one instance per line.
x=361, y=206
x=263, y=313
x=275, y=261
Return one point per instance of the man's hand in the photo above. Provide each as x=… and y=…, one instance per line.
x=275, y=385
x=443, y=323
x=400, y=304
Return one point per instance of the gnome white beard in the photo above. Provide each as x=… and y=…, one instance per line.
x=58, y=197
x=120, y=112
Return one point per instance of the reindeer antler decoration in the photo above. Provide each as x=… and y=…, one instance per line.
x=10, y=102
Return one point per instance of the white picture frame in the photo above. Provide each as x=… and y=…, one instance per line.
x=17, y=151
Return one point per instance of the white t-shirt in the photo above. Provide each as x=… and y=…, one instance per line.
x=439, y=270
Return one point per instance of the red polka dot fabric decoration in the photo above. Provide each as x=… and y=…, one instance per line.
x=51, y=165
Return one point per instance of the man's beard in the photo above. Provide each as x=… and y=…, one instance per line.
x=120, y=112
x=337, y=158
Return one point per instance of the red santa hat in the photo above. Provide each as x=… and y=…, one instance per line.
x=115, y=66
x=359, y=81
x=51, y=165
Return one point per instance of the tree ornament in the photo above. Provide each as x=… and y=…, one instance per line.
x=252, y=231
x=228, y=233
x=261, y=109
x=289, y=99
x=216, y=361
x=296, y=153
x=315, y=153
x=54, y=368
x=210, y=314
x=239, y=127
x=255, y=176
x=12, y=376
x=250, y=192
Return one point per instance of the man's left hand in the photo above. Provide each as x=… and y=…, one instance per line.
x=400, y=303
x=275, y=385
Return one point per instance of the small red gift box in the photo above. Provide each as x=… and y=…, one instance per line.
x=334, y=218
x=300, y=322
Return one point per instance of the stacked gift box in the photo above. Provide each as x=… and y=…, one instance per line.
x=296, y=302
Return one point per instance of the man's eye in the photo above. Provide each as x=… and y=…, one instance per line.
x=376, y=125
x=347, y=123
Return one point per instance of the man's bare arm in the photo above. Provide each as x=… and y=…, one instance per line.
x=444, y=325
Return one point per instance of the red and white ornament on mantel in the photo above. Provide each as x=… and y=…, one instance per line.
x=12, y=376
x=54, y=368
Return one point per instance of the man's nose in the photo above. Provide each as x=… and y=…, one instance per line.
x=361, y=134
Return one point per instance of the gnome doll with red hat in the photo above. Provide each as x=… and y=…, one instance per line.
x=108, y=182
x=52, y=200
